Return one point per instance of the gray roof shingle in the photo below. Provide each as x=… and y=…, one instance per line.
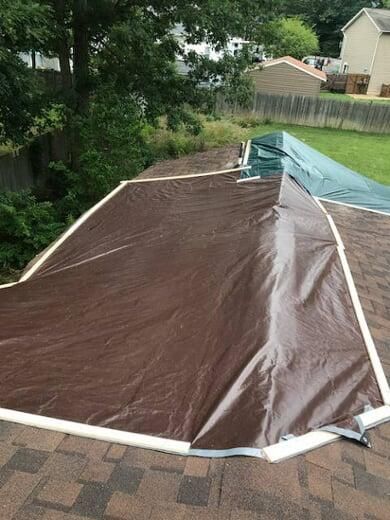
x=381, y=18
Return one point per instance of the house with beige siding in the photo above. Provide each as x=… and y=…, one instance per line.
x=366, y=47
x=287, y=76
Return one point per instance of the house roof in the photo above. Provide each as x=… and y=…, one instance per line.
x=379, y=17
x=38, y=466
x=341, y=480
x=318, y=74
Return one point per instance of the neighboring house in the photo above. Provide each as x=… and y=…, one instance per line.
x=41, y=62
x=366, y=47
x=287, y=76
x=232, y=48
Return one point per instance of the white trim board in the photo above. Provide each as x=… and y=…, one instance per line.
x=374, y=57
x=96, y=432
x=297, y=445
x=372, y=20
x=189, y=176
x=309, y=441
x=278, y=61
x=248, y=179
x=365, y=331
x=247, y=152
x=4, y=285
x=275, y=453
x=353, y=206
x=357, y=15
x=350, y=22
x=94, y=208
x=69, y=232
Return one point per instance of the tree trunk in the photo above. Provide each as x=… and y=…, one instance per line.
x=63, y=47
x=81, y=54
x=66, y=73
x=81, y=85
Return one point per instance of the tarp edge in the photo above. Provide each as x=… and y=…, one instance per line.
x=95, y=432
x=94, y=208
x=369, y=342
x=354, y=206
x=62, y=239
x=189, y=176
x=298, y=445
x=275, y=453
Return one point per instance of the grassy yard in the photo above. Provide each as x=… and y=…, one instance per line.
x=346, y=97
x=365, y=153
x=368, y=154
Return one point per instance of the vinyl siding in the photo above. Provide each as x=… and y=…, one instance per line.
x=359, y=44
x=283, y=78
x=381, y=69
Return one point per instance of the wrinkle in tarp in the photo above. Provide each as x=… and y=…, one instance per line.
x=198, y=309
x=280, y=152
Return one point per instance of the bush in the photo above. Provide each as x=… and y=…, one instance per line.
x=112, y=149
x=26, y=227
x=166, y=144
x=115, y=145
x=248, y=122
x=289, y=36
x=20, y=96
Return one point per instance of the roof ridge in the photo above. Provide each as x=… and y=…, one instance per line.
x=294, y=62
x=382, y=10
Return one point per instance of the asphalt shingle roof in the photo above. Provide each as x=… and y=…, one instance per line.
x=308, y=69
x=381, y=17
x=47, y=475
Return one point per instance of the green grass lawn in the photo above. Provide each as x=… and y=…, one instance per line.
x=368, y=154
x=346, y=97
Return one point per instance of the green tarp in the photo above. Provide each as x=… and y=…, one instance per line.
x=280, y=152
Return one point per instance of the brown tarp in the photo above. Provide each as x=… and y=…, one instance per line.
x=197, y=309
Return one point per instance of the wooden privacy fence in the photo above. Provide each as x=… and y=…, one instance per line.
x=347, y=83
x=385, y=91
x=314, y=111
x=335, y=83
x=27, y=166
x=16, y=171
x=357, y=83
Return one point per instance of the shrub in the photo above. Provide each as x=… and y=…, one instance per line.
x=289, y=36
x=112, y=149
x=26, y=227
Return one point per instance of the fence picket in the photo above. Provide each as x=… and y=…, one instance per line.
x=315, y=111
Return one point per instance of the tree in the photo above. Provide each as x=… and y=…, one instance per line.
x=328, y=17
x=130, y=46
x=24, y=26
x=20, y=97
x=289, y=36
x=132, y=41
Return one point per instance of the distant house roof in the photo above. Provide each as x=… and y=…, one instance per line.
x=318, y=74
x=379, y=17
